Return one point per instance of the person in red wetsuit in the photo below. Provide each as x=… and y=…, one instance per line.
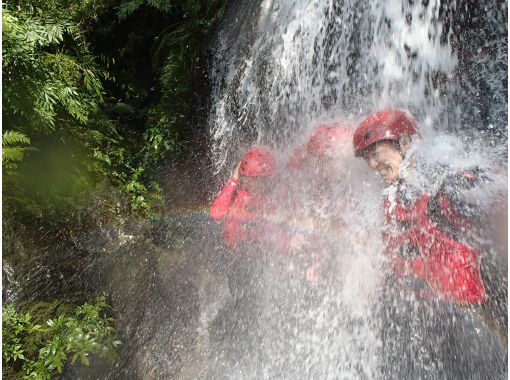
x=426, y=235
x=328, y=149
x=241, y=206
x=316, y=165
x=242, y=199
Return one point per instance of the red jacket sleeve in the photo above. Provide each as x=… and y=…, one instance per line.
x=224, y=199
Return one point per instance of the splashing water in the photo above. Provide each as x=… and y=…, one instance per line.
x=187, y=307
x=295, y=65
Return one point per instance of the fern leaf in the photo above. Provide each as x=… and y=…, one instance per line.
x=127, y=8
x=11, y=138
x=12, y=148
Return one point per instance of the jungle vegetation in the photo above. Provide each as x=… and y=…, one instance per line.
x=96, y=95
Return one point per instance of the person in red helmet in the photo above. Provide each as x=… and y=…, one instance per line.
x=241, y=199
x=328, y=149
x=313, y=167
x=383, y=139
x=241, y=205
x=330, y=140
x=427, y=234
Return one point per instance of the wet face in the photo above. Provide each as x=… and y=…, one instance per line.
x=385, y=158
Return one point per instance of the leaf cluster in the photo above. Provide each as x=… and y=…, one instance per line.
x=14, y=147
x=169, y=40
x=53, y=87
x=49, y=74
x=40, y=349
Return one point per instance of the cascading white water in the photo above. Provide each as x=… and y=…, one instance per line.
x=190, y=308
x=310, y=60
x=280, y=69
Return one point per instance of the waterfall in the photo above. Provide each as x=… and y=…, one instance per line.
x=295, y=63
x=279, y=70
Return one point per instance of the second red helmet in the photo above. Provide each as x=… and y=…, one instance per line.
x=326, y=139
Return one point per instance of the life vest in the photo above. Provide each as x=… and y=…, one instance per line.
x=449, y=267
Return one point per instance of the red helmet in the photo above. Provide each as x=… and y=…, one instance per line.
x=326, y=139
x=383, y=125
x=257, y=162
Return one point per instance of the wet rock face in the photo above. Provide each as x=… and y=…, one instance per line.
x=165, y=287
x=479, y=38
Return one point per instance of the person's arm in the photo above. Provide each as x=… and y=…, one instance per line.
x=452, y=200
x=223, y=200
x=222, y=203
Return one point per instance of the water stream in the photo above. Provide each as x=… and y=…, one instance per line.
x=307, y=61
x=302, y=63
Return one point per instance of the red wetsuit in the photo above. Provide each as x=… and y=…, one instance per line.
x=235, y=207
x=243, y=215
x=423, y=238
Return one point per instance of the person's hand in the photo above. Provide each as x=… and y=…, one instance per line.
x=235, y=172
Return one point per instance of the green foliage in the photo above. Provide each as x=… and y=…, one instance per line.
x=102, y=95
x=13, y=148
x=176, y=53
x=174, y=41
x=46, y=79
x=11, y=138
x=143, y=198
x=127, y=8
x=99, y=93
x=160, y=138
x=53, y=86
x=40, y=349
